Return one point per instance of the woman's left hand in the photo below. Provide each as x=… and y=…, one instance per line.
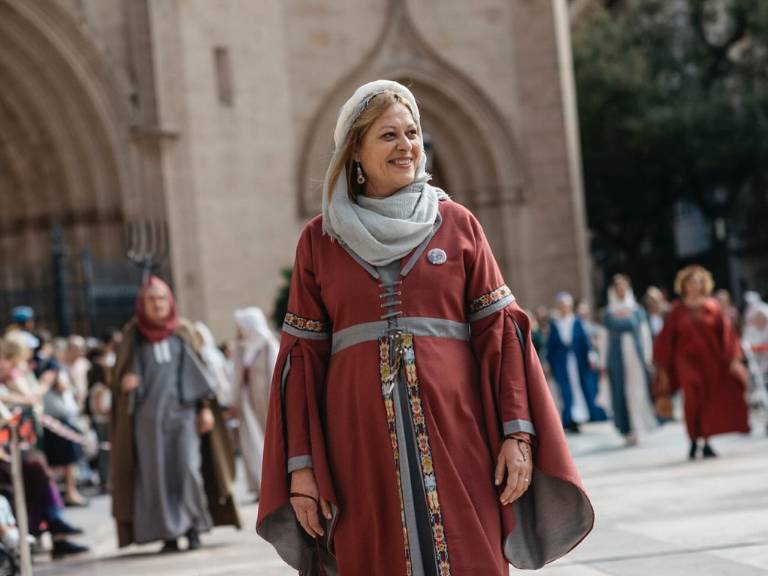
x=204, y=420
x=516, y=461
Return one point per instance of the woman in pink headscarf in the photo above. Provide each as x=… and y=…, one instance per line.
x=171, y=474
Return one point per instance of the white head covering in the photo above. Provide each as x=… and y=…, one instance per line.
x=379, y=230
x=755, y=306
x=564, y=298
x=217, y=364
x=753, y=300
x=256, y=333
x=615, y=304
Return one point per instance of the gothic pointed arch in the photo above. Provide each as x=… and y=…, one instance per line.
x=474, y=151
x=64, y=146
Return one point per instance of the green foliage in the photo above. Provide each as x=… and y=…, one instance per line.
x=281, y=301
x=673, y=104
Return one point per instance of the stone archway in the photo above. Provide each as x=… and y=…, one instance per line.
x=479, y=162
x=63, y=155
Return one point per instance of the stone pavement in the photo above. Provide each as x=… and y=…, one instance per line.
x=657, y=515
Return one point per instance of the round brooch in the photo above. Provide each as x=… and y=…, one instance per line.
x=437, y=256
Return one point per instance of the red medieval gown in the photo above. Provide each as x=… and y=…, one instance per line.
x=696, y=348
x=397, y=386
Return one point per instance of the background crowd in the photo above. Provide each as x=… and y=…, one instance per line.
x=625, y=363
x=628, y=362
x=64, y=388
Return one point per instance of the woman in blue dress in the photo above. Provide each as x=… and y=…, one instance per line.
x=568, y=348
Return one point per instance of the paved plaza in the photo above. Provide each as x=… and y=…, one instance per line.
x=657, y=515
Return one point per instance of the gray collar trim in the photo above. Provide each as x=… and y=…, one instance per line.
x=368, y=268
x=373, y=271
x=421, y=247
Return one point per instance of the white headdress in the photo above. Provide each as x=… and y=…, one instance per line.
x=379, y=230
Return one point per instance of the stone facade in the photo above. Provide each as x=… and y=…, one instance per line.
x=215, y=118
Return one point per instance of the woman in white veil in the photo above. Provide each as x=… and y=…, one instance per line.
x=255, y=356
x=628, y=361
x=217, y=364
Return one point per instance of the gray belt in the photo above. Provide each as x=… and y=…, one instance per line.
x=418, y=326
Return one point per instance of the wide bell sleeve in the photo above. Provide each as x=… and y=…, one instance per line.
x=555, y=514
x=297, y=415
x=294, y=433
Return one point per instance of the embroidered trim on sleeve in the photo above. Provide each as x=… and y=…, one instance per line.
x=305, y=327
x=490, y=302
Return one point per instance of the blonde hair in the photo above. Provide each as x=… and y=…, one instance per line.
x=688, y=272
x=345, y=156
x=12, y=349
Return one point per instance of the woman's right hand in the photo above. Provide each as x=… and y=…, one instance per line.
x=129, y=382
x=303, y=482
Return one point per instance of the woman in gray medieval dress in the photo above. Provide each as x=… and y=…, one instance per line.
x=162, y=465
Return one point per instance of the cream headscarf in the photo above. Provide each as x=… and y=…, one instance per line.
x=217, y=364
x=626, y=304
x=256, y=334
x=379, y=230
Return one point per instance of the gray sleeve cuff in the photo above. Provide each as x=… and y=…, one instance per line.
x=512, y=426
x=299, y=462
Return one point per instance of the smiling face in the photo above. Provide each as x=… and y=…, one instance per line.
x=390, y=151
x=695, y=285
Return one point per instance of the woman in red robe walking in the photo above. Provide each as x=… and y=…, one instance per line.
x=410, y=427
x=698, y=352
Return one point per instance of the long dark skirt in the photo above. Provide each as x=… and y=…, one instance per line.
x=58, y=450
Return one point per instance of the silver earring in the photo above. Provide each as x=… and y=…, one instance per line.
x=360, y=175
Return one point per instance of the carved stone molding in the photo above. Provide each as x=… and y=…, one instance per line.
x=474, y=143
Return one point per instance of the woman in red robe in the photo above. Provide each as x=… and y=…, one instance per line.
x=698, y=352
x=410, y=427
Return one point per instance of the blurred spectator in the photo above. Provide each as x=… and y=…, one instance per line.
x=227, y=348
x=726, y=305
x=217, y=364
x=44, y=505
x=44, y=359
x=698, y=352
x=755, y=343
x=597, y=338
x=23, y=320
x=254, y=363
x=45, y=510
x=628, y=359
x=62, y=452
x=99, y=408
x=568, y=349
x=76, y=365
x=656, y=306
x=540, y=330
x=171, y=463
x=9, y=532
x=112, y=340
x=18, y=385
